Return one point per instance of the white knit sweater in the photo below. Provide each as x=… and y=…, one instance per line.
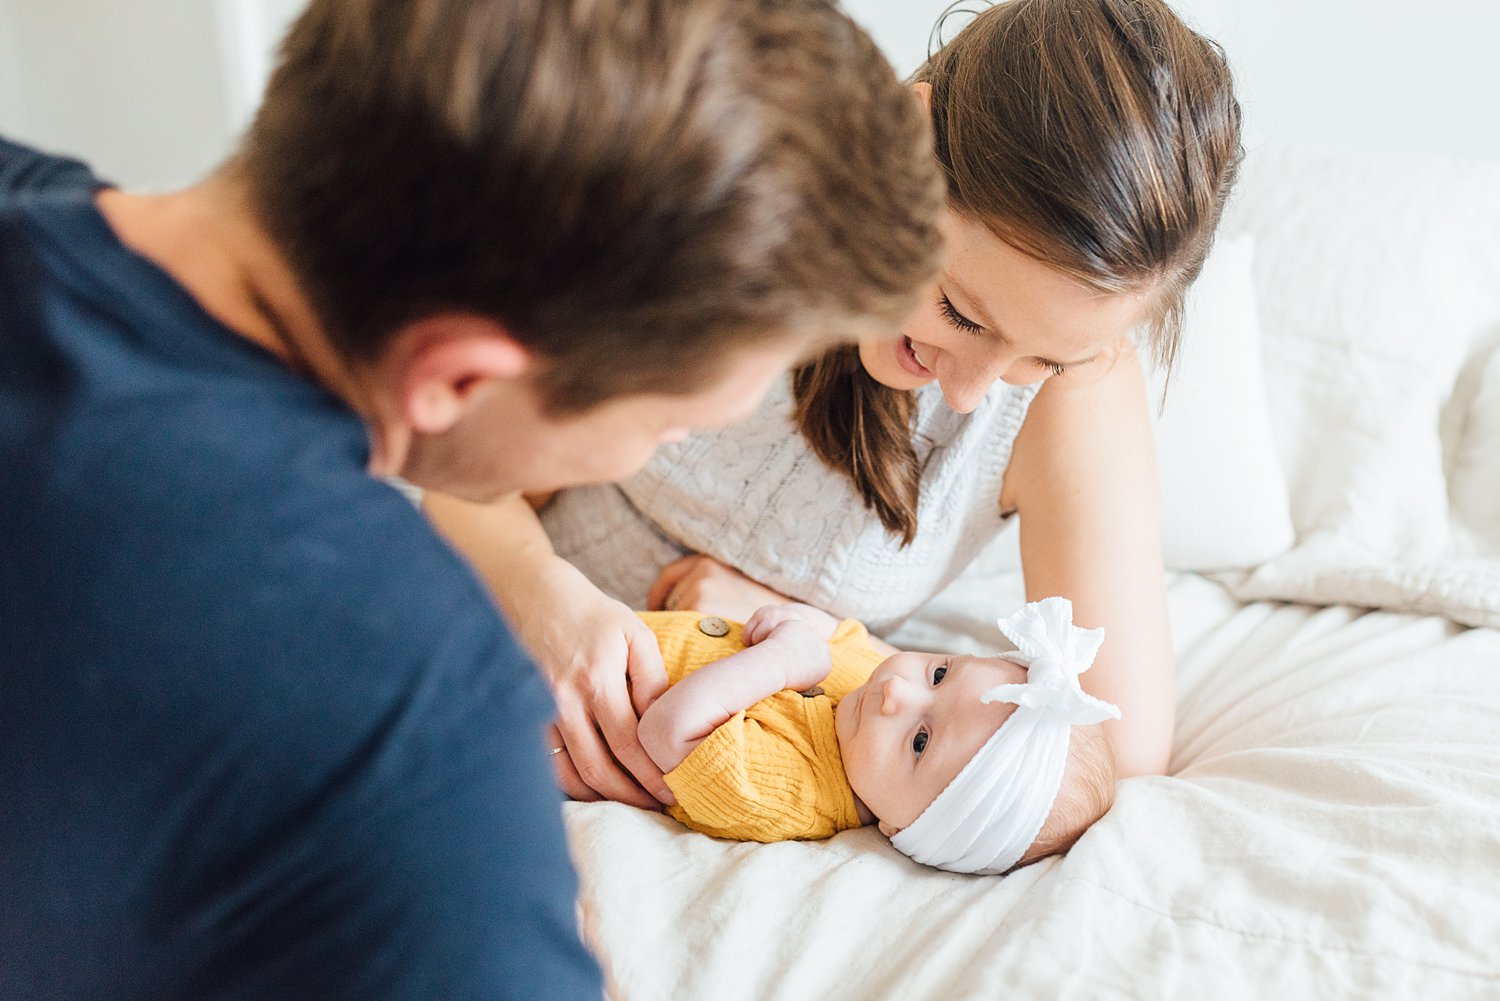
x=754, y=496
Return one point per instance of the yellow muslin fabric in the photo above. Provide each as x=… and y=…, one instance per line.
x=771, y=772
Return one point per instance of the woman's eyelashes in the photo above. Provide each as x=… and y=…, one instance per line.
x=962, y=322
x=959, y=320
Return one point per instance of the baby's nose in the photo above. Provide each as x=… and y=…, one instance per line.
x=895, y=694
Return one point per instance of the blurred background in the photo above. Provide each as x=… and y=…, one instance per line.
x=153, y=92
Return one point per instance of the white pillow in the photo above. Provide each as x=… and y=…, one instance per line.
x=1379, y=282
x=1223, y=494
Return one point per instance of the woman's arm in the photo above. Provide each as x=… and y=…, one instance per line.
x=587, y=645
x=789, y=653
x=1083, y=479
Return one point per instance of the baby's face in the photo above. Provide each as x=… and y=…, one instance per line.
x=911, y=728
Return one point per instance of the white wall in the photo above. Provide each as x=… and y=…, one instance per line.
x=137, y=87
x=10, y=81
x=152, y=92
x=1370, y=74
x=1376, y=75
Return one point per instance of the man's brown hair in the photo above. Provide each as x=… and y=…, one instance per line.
x=633, y=188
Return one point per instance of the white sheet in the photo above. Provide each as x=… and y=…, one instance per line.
x=1333, y=830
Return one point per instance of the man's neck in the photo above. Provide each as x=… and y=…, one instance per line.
x=208, y=239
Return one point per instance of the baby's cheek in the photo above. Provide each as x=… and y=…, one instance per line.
x=873, y=790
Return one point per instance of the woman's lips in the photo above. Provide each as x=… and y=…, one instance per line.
x=906, y=354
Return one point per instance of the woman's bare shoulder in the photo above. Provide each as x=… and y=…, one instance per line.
x=1082, y=426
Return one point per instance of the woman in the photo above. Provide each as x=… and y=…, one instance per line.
x=1089, y=149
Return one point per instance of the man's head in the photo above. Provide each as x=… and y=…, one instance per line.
x=588, y=201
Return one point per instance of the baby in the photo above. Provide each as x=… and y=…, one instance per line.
x=971, y=764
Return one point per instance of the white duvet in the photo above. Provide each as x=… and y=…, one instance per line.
x=1332, y=830
x=1331, y=827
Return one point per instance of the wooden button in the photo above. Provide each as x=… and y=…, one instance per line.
x=712, y=625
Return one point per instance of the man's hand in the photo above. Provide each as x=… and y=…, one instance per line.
x=588, y=645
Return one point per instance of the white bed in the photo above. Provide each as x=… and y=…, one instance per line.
x=1332, y=824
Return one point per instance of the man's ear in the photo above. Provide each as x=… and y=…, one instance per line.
x=924, y=94
x=447, y=362
x=889, y=830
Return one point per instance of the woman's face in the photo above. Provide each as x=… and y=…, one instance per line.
x=994, y=313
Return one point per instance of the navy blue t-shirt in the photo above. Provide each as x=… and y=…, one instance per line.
x=262, y=734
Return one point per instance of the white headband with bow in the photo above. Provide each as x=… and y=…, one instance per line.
x=989, y=815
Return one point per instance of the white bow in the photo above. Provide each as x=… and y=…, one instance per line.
x=1056, y=652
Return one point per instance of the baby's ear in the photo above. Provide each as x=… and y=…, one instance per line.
x=889, y=830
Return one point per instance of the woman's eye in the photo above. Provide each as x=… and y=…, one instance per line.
x=1052, y=367
x=939, y=674
x=919, y=742
x=959, y=320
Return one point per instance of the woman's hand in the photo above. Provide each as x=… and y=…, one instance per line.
x=604, y=667
x=703, y=584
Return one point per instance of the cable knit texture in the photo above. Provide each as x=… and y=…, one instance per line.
x=755, y=497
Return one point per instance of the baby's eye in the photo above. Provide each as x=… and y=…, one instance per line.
x=939, y=674
x=919, y=742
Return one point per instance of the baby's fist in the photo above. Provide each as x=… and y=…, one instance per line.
x=768, y=618
x=800, y=638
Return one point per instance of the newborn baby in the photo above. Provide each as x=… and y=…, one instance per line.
x=793, y=727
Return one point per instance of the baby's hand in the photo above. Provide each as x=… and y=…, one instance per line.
x=801, y=639
x=767, y=618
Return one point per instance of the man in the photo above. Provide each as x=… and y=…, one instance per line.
x=261, y=733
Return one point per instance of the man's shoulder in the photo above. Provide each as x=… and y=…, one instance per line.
x=351, y=574
x=25, y=171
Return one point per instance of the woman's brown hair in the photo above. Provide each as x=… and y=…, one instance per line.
x=1100, y=137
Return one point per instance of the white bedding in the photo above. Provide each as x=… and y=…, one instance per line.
x=1331, y=828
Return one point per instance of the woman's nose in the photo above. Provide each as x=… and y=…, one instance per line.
x=964, y=392
x=963, y=399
